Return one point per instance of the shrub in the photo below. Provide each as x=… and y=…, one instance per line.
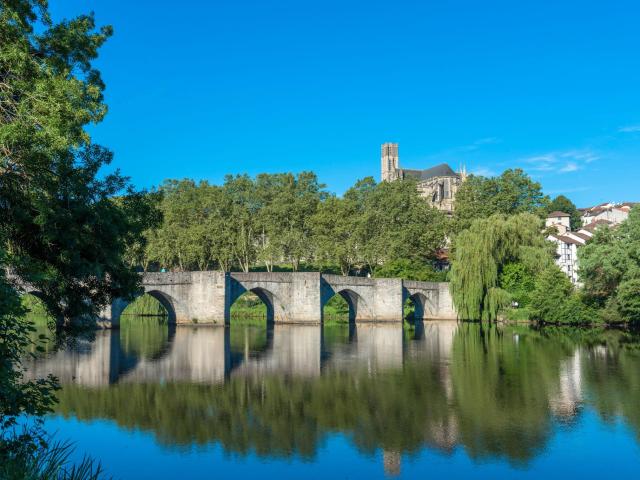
x=554, y=300
x=628, y=300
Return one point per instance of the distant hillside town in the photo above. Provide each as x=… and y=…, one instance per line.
x=439, y=185
x=568, y=241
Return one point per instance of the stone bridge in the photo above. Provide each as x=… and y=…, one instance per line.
x=207, y=297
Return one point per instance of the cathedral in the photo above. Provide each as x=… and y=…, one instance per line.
x=438, y=185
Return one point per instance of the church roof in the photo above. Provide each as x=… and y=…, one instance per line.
x=442, y=170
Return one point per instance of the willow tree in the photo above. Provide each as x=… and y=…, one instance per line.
x=480, y=254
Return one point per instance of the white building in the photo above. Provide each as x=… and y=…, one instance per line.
x=567, y=254
x=560, y=220
x=612, y=212
x=568, y=242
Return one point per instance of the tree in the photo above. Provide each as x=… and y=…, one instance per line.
x=628, y=299
x=511, y=193
x=396, y=223
x=146, y=207
x=333, y=237
x=563, y=204
x=554, y=300
x=610, y=267
x=480, y=256
x=62, y=229
x=64, y=233
x=519, y=281
x=287, y=211
x=410, y=270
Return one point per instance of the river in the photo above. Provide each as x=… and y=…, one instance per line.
x=445, y=399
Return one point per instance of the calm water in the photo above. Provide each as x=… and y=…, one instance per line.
x=367, y=402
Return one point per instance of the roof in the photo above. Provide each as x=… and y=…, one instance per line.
x=603, y=207
x=568, y=240
x=558, y=214
x=581, y=235
x=590, y=227
x=442, y=170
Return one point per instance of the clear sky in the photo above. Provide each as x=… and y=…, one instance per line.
x=203, y=88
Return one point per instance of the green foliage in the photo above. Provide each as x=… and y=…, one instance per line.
x=36, y=310
x=336, y=308
x=144, y=306
x=511, y=193
x=519, y=281
x=62, y=229
x=243, y=223
x=563, y=204
x=628, y=297
x=610, y=269
x=272, y=221
x=248, y=305
x=410, y=270
x=17, y=397
x=554, y=300
x=46, y=461
x=396, y=223
x=480, y=256
x=333, y=227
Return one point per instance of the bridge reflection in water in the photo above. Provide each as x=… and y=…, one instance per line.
x=205, y=354
x=280, y=392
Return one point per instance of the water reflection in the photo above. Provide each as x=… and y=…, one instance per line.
x=278, y=392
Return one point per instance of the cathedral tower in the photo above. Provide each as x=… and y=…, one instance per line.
x=437, y=185
x=389, y=162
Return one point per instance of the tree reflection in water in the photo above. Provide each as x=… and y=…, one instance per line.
x=496, y=392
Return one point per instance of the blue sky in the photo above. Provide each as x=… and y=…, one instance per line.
x=203, y=88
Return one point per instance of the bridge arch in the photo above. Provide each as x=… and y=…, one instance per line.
x=424, y=303
x=359, y=309
x=176, y=309
x=169, y=303
x=59, y=319
x=276, y=310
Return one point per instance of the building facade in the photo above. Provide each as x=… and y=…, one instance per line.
x=438, y=185
x=612, y=212
x=568, y=242
x=560, y=221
